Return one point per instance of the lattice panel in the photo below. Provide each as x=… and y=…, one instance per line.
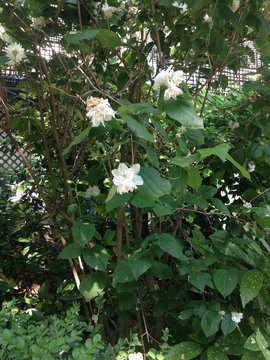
x=9, y=160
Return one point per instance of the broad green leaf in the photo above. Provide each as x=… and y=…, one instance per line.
x=82, y=233
x=151, y=155
x=108, y=38
x=136, y=127
x=122, y=273
x=249, y=355
x=118, y=200
x=182, y=110
x=242, y=170
x=220, y=206
x=185, y=350
x=215, y=353
x=262, y=343
x=163, y=210
x=186, y=314
x=160, y=270
x=227, y=325
x=127, y=301
x=140, y=202
x=137, y=108
x=251, y=343
x=199, y=279
x=170, y=245
x=186, y=160
x=112, y=192
x=225, y=280
x=92, y=285
x=139, y=264
x=97, y=257
x=74, y=37
x=250, y=285
x=154, y=185
x=78, y=139
x=210, y=323
x=220, y=150
x=71, y=251
x=194, y=178
x=233, y=344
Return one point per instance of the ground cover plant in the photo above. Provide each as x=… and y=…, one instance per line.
x=144, y=198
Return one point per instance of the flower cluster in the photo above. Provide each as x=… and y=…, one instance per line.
x=38, y=23
x=127, y=179
x=15, y=53
x=237, y=317
x=109, y=11
x=169, y=79
x=99, y=110
x=92, y=191
x=207, y=19
x=183, y=6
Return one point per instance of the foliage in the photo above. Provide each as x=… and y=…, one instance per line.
x=188, y=250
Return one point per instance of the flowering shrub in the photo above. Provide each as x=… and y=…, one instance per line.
x=156, y=191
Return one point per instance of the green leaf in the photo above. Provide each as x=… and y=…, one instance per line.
x=215, y=353
x=232, y=344
x=199, y=279
x=142, y=203
x=154, y=185
x=78, y=139
x=194, y=178
x=225, y=280
x=138, y=129
x=249, y=355
x=185, y=350
x=220, y=150
x=139, y=264
x=112, y=192
x=122, y=273
x=74, y=37
x=210, y=323
x=108, y=38
x=97, y=257
x=227, y=325
x=170, y=245
x=251, y=343
x=186, y=160
x=262, y=343
x=162, y=210
x=82, y=233
x=92, y=285
x=182, y=110
x=71, y=251
x=137, y=108
x=160, y=270
x=118, y=200
x=220, y=206
x=127, y=301
x=151, y=155
x=250, y=285
x=242, y=170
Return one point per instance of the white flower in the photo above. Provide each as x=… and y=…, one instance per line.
x=108, y=10
x=4, y=36
x=92, y=191
x=253, y=341
x=165, y=77
x=222, y=313
x=183, y=7
x=234, y=125
x=135, y=356
x=172, y=91
x=235, y=5
x=38, y=23
x=208, y=20
x=251, y=167
x=247, y=205
x=99, y=110
x=237, y=317
x=15, y=52
x=127, y=179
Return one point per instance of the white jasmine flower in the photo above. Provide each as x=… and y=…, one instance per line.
x=99, y=110
x=38, y=23
x=234, y=125
x=172, y=92
x=181, y=131
x=15, y=53
x=183, y=7
x=237, y=317
x=127, y=179
x=251, y=166
x=235, y=5
x=253, y=341
x=222, y=313
x=92, y=191
x=108, y=10
x=135, y=356
x=208, y=20
x=165, y=77
x=4, y=36
x=247, y=205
